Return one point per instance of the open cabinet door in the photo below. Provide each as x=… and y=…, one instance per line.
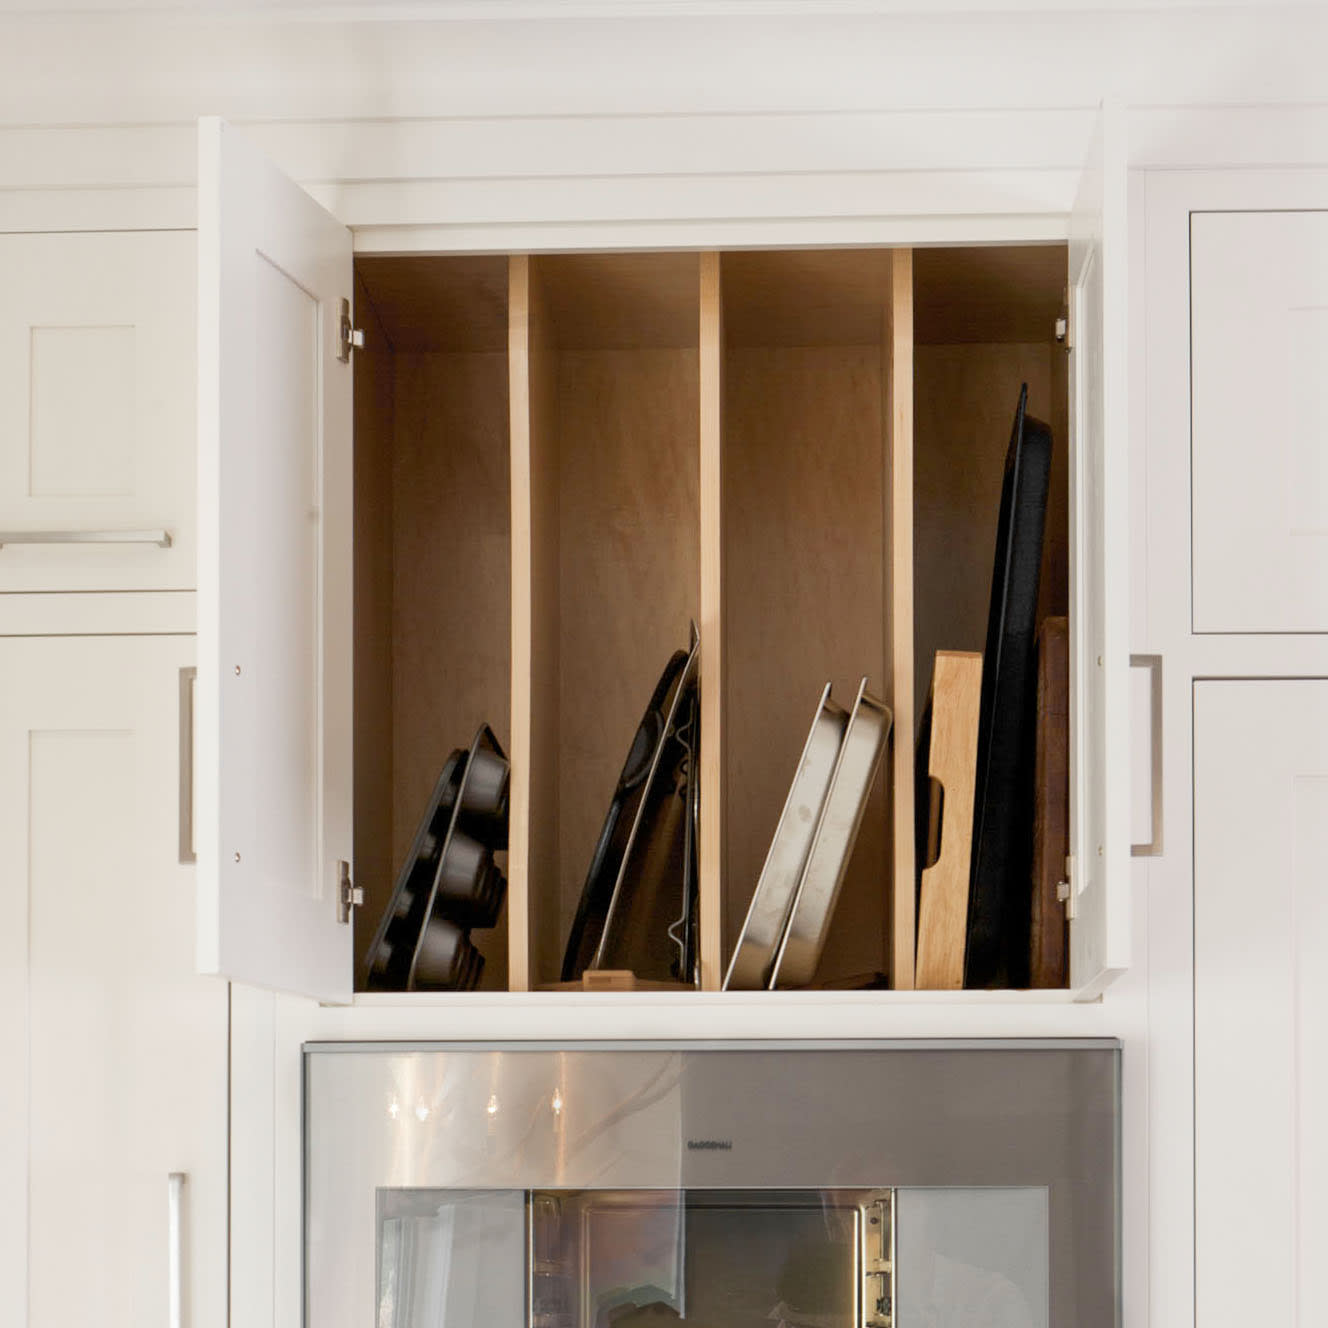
x=273, y=816
x=1099, y=874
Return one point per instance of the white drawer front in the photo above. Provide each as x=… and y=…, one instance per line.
x=1259, y=310
x=97, y=427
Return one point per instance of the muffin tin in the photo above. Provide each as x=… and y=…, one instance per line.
x=450, y=882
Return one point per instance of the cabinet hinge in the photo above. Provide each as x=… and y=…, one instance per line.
x=349, y=337
x=1065, y=888
x=349, y=896
x=1064, y=327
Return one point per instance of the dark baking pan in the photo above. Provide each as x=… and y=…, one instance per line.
x=996, y=949
x=636, y=903
x=467, y=888
x=449, y=881
x=388, y=959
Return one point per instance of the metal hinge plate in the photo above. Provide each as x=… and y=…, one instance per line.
x=1065, y=888
x=349, y=337
x=876, y=1217
x=1064, y=325
x=349, y=895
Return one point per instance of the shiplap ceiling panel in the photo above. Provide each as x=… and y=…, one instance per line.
x=152, y=67
x=510, y=10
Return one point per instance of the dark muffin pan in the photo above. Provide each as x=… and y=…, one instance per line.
x=450, y=881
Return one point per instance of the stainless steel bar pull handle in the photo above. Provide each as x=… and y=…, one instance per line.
x=175, y=1242
x=1148, y=716
x=161, y=538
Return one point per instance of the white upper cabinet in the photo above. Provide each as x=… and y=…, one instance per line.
x=96, y=411
x=274, y=603
x=1259, y=440
x=274, y=820
x=1099, y=569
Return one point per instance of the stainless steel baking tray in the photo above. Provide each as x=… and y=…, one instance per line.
x=832, y=844
x=768, y=914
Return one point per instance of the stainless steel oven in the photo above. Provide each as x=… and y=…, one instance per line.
x=841, y=1185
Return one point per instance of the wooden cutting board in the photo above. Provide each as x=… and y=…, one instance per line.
x=1048, y=944
x=956, y=700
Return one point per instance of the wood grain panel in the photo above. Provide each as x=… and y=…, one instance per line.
x=1011, y=293
x=965, y=397
x=711, y=500
x=806, y=297
x=451, y=581
x=623, y=300
x=804, y=586
x=425, y=302
x=897, y=417
x=546, y=934
x=534, y=681
x=952, y=762
x=629, y=567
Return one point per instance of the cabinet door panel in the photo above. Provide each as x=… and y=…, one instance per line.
x=115, y=1051
x=97, y=409
x=274, y=599
x=1099, y=570
x=1261, y=1000
x=1259, y=441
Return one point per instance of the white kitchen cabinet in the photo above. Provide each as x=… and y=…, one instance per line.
x=1238, y=746
x=1259, y=440
x=97, y=411
x=279, y=784
x=115, y=1050
x=1260, y=999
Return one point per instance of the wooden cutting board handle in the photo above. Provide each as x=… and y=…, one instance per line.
x=956, y=700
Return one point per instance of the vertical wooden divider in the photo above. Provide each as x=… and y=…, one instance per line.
x=897, y=383
x=532, y=869
x=711, y=382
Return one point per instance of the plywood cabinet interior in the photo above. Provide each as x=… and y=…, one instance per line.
x=561, y=460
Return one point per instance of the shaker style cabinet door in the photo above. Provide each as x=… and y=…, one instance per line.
x=1099, y=876
x=114, y=1049
x=274, y=584
x=1260, y=1001
x=97, y=411
x=1259, y=426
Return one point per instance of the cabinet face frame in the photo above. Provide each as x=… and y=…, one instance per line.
x=1098, y=583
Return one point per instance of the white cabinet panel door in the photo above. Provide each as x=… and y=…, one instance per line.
x=274, y=586
x=1259, y=328
x=114, y=1050
x=1099, y=569
x=1261, y=1002
x=97, y=411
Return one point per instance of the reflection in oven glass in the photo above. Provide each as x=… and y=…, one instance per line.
x=844, y=1258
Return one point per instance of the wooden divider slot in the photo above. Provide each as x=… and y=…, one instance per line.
x=806, y=507
x=432, y=549
x=612, y=568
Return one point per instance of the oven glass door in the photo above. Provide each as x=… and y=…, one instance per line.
x=843, y=1258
